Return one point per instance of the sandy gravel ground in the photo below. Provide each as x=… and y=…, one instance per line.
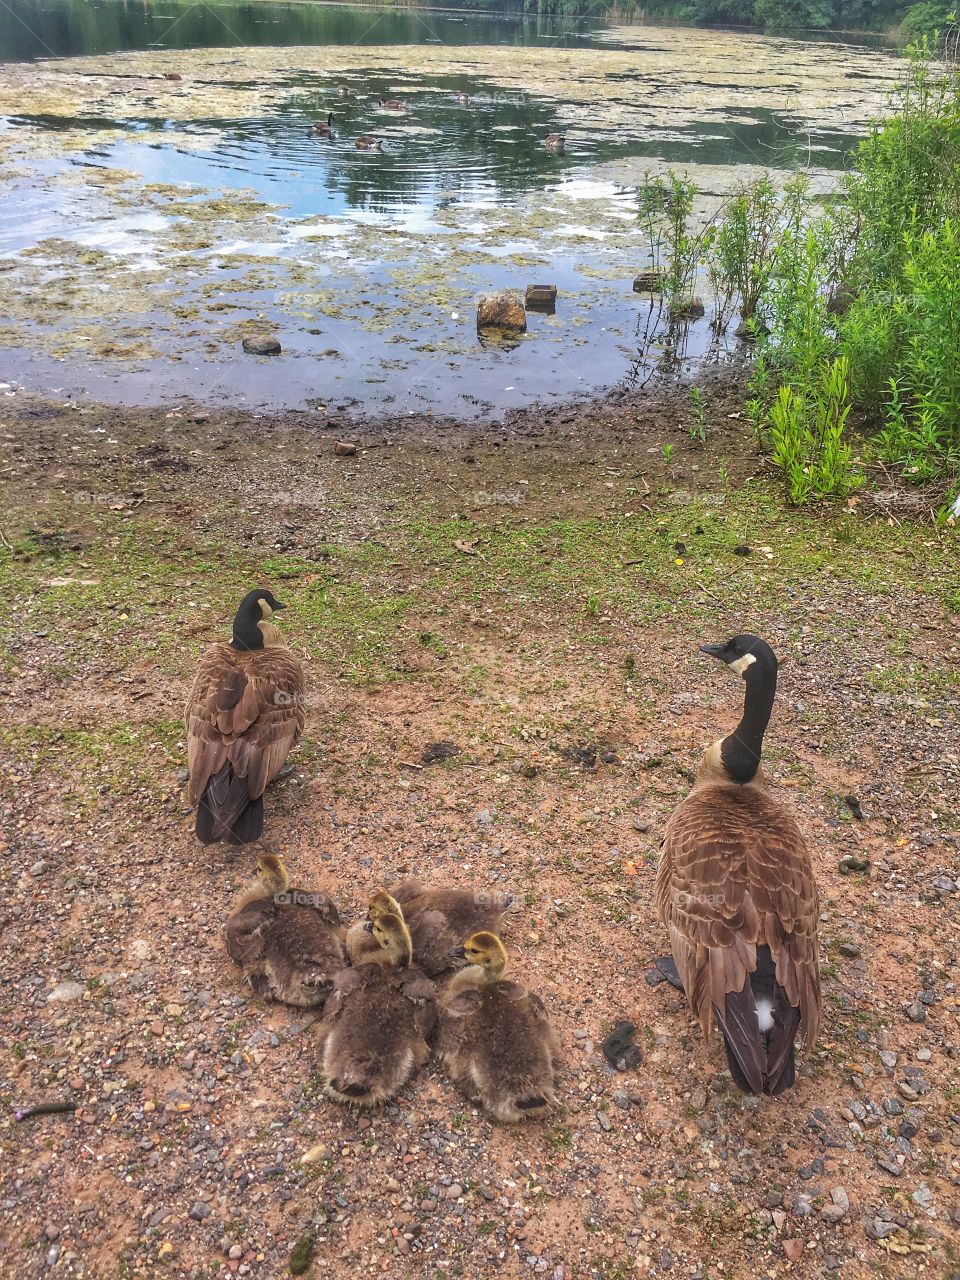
x=556, y=647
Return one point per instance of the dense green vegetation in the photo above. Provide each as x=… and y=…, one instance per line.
x=855, y=308
x=834, y=15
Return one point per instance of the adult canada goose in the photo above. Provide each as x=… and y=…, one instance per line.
x=288, y=942
x=495, y=1039
x=391, y=104
x=439, y=919
x=378, y=1016
x=366, y=143
x=323, y=129
x=737, y=894
x=244, y=714
x=556, y=143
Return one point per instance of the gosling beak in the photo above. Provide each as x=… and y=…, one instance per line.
x=368, y=926
x=458, y=953
x=712, y=650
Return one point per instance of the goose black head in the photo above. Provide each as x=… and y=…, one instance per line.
x=254, y=608
x=747, y=655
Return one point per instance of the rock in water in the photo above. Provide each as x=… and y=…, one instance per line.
x=261, y=344
x=688, y=309
x=542, y=297
x=502, y=311
x=649, y=281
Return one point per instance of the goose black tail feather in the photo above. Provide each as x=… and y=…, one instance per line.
x=781, y=1063
x=742, y=1040
x=226, y=812
x=530, y=1104
x=760, y=1062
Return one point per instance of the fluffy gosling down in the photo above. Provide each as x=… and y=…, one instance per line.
x=496, y=1041
x=287, y=941
x=440, y=918
x=379, y=1015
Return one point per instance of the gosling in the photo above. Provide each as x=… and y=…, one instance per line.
x=495, y=1040
x=288, y=942
x=379, y=1016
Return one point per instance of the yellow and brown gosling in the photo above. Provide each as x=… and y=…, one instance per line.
x=287, y=941
x=495, y=1040
x=439, y=918
x=379, y=1016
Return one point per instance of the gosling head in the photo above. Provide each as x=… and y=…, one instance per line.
x=746, y=655
x=273, y=874
x=486, y=952
x=390, y=932
x=382, y=904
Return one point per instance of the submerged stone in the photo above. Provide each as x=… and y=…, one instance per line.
x=649, y=281
x=260, y=344
x=502, y=311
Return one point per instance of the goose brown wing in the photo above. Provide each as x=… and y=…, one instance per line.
x=735, y=874
x=245, y=709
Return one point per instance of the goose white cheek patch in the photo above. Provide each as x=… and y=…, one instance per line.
x=741, y=664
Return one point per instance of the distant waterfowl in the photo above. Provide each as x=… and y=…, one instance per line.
x=244, y=714
x=737, y=894
x=366, y=143
x=463, y=98
x=556, y=143
x=343, y=91
x=495, y=1038
x=391, y=104
x=288, y=942
x=323, y=129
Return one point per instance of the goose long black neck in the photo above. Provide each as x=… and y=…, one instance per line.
x=246, y=633
x=741, y=750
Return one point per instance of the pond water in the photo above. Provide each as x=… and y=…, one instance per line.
x=165, y=199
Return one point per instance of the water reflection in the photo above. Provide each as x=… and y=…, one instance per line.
x=168, y=217
x=67, y=28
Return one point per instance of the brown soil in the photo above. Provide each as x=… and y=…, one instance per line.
x=578, y=722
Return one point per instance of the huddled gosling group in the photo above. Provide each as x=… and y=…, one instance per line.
x=426, y=971
x=392, y=984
